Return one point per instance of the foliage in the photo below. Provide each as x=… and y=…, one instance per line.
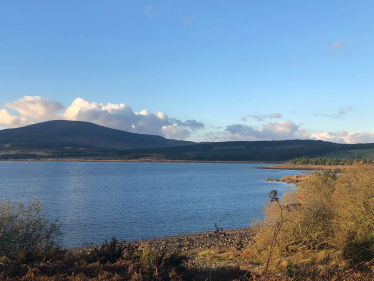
x=108, y=252
x=333, y=213
x=239, y=151
x=359, y=250
x=329, y=161
x=352, y=154
x=26, y=228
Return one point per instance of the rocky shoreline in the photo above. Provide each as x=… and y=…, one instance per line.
x=233, y=238
x=289, y=179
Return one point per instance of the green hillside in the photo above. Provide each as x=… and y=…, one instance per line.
x=245, y=151
x=352, y=154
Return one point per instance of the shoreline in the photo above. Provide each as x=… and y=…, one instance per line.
x=286, y=166
x=272, y=165
x=137, y=161
x=232, y=238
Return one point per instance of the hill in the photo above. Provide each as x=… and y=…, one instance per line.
x=269, y=151
x=80, y=134
x=86, y=141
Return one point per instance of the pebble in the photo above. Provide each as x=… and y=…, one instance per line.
x=235, y=238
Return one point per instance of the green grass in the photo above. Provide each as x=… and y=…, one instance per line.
x=352, y=154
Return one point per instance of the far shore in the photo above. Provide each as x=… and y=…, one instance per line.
x=287, y=166
x=141, y=160
x=274, y=165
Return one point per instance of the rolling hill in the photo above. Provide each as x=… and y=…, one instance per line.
x=269, y=151
x=60, y=133
x=86, y=141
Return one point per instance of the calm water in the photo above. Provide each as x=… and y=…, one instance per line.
x=95, y=201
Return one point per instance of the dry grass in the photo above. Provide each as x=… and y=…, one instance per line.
x=302, y=167
x=110, y=262
x=309, y=230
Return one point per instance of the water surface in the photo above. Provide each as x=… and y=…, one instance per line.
x=95, y=201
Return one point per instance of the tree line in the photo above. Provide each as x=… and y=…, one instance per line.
x=329, y=161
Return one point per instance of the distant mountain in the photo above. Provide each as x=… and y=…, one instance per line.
x=81, y=134
x=82, y=140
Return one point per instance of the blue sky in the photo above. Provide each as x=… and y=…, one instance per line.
x=215, y=70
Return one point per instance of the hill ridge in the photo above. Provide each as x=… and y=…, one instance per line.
x=81, y=133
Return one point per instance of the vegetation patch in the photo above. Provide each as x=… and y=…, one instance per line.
x=330, y=161
x=352, y=154
x=323, y=227
x=26, y=229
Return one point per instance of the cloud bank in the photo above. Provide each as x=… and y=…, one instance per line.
x=118, y=116
x=346, y=137
x=289, y=130
x=33, y=109
x=272, y=131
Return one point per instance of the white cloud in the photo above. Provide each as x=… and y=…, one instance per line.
x=346, y=137
x=35, y=107
x=289, y=130
x=118, y=116
x=31, y=109
x=271, y=131
x=121, y=116
x=8, y=120
x=175, y=132
x=262, y=117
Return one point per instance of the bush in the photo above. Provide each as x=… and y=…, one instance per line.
x=314, y=223
x=26, y=228
x=360, y=250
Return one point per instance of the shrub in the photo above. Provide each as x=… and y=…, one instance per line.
x=26, y=228
x=354, y=201
x=317, y=220
x=360, y=250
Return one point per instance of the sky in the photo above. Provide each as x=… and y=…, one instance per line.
x=192, y=70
